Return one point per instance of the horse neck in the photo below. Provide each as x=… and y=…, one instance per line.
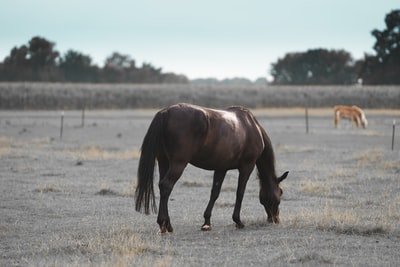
x=266, y=167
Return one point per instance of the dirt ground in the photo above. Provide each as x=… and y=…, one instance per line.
x=68, y=201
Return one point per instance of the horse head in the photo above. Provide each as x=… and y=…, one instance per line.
x=271, y=198
x=364, y=122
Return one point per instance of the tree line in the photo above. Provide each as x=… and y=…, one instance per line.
x=39, y=61
x=322, y=66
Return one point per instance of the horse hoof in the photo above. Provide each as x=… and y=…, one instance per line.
x=206, y=227
x=275, y=220
x=239, y=225
x=163, y=230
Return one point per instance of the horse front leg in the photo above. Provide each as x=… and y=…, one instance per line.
x=244, y=175
x=336, y=120
x=166, y=185
x=216, y=189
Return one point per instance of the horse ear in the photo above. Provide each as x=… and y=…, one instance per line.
x=283, y=177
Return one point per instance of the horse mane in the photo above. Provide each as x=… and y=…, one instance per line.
x=266, y=162
x=241, y=108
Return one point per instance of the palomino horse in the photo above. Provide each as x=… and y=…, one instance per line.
x=210, y=139
x=353, y=113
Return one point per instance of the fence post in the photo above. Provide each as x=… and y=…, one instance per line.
x=306, y=115
x=83, y=118
x=62, y=125
x=393, y=133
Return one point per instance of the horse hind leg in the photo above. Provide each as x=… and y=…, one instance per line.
x=216, y=189
x=166, y=185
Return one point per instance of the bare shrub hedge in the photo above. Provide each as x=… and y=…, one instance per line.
x=126, y=96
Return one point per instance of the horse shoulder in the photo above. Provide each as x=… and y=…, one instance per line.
x=254, y=131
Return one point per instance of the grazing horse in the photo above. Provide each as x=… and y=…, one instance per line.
x=353, y=113
x=210, y=139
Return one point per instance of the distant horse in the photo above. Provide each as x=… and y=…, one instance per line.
x=353, y=113
x=210, y=139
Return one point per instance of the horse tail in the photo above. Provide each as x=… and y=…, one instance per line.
x=151, y=145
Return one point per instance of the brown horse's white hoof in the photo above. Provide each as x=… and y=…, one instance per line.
x=206, y=227
x=164, y=231
x=166, y=228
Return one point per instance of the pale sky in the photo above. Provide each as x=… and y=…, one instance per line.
x=207, y=38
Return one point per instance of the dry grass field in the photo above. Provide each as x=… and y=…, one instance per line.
x=72, y=96
x=69, y=201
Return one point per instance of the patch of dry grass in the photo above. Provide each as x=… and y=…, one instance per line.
x=295, y=149
x=47, y=189
x=341, y=173
x=372, y=133
x=118, y=246
x=192, y=184
x=105, y=190
x=5, y=145
x=129, y=191
x=95, y=152
x=40, y=142
x=314, y=187
x=351, y=220
x=8, y=145
x=369, y=156
x=391, y=165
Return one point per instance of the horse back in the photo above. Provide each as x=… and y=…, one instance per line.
x=347, y=111
x=208, y=137
x=185, y=129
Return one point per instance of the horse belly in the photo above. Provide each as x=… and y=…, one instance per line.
x=215, y=163
x=221, y=155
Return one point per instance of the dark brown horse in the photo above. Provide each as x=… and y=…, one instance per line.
x=210, y=139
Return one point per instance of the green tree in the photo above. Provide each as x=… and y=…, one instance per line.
x=35, y=62
x=39, y=61
x=149, y=74
x=16, y=66
x=170, y=77
x=42, y=53
x=384, y=67
x=119, y=68
x=42, y=59
x=316, y=66
x=77, y=67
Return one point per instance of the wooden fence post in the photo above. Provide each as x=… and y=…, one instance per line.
x=62, y=124
x=393, y=133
